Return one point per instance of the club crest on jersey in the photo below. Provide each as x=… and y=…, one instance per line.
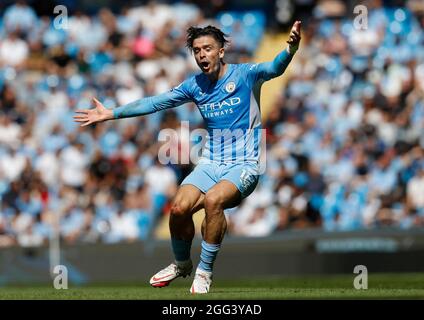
x=230, y=87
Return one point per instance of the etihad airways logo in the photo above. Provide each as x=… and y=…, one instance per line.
x=217, y=106
x=184, y=145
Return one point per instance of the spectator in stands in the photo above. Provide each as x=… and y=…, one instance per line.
x=345, y=139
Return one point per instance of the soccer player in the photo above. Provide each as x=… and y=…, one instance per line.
x=227, y=96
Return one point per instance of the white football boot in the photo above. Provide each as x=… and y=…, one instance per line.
x=202, y=282
x=164, y=277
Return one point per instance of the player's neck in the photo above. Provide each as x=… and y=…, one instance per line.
x=214, y=77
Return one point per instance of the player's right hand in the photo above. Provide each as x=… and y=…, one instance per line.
x=89, y=116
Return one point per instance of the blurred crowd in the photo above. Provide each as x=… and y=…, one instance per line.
x=104, y=182
x=345, y=140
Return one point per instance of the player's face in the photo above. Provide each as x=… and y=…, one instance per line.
x=208, y=54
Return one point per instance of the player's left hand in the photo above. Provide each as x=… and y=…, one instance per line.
x=294, y=37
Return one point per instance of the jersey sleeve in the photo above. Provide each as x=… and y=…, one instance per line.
x=268, y=70
x=173, y=98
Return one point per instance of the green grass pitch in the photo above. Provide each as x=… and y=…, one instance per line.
x=380, y=286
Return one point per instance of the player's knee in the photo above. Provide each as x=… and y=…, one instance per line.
x=213, y=200
x=180, y=209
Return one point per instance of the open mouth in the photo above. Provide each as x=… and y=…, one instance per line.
x=205, y=65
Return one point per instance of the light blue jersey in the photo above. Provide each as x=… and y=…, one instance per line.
x=230, y=108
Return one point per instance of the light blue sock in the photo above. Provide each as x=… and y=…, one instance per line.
x=208, y=255
x=181, y=249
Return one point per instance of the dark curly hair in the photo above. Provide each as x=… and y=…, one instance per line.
x=195, y=32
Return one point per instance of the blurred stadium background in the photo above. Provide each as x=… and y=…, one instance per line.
x=345, y=138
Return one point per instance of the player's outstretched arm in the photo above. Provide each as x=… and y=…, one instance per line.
x=275, y=68
x=139, y=107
